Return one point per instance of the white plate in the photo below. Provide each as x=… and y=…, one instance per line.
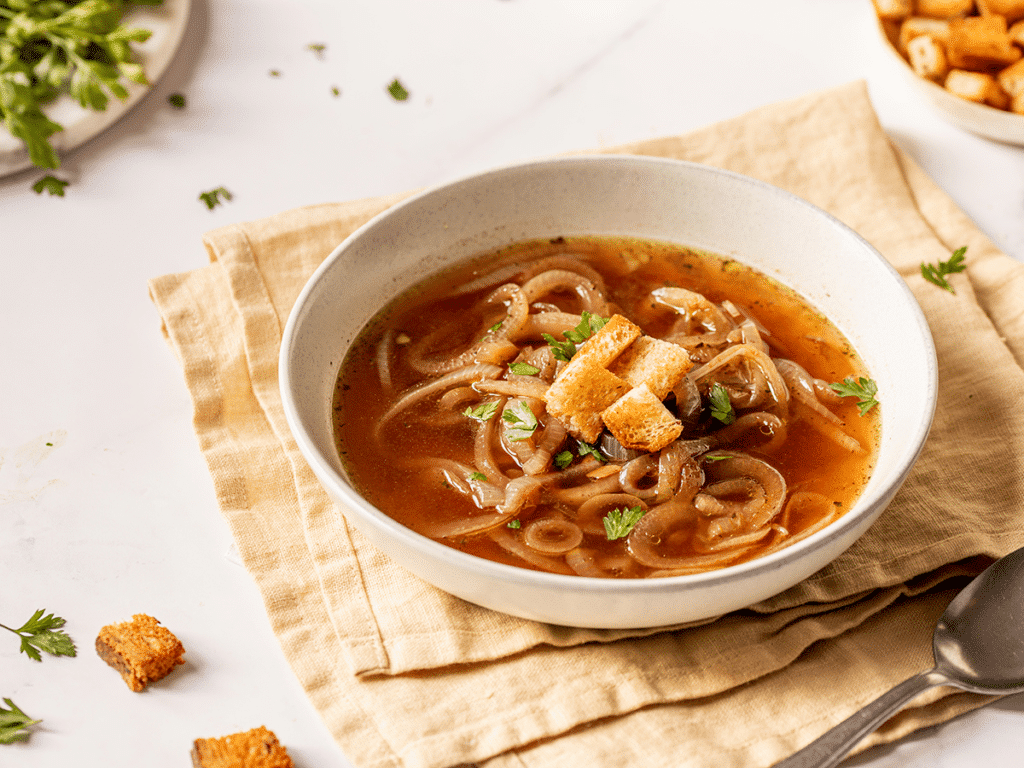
x=167, y=22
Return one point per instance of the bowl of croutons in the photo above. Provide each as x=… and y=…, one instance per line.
x=965, y=57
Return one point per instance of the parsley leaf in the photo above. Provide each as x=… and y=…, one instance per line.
x=478, y=476
x=562, y=350
x=619, y=522
x=523, y=369
x=721, y=406
x=589, y=325
x=523, y=422
x=482, y=412
x=864, y=389
x=317, y=48
x=563, y=459
x=515, y=524
x=42, y=633
x=397, y=90
x=50, y=183
x=214, y=196
x=177, y=100
x=586, y=449
x=13, y=723
x=937, y=274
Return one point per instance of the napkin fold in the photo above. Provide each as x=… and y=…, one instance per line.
x=371, y=643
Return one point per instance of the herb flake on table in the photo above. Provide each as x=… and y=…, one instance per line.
x=397, y=90
x=55, y=47
x=50, y=183
x=177, y=100
x=43, y=633
x=13, y=723
x=215, y=197
x=936, y=273
x=317, y=48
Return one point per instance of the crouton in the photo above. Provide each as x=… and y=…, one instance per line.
x=1011, y=10
x=640, y=421
x=1017, y=104
x=944, y=9
x=915, y=26
x=1011, y=79
x=580, y=393
x=141, y=650
x=608, y=343
x=980, y=43
x=928, y=58
x=979, y=87
x=658, y=364
x=893, y=10
x=1016, y=33
x=257, y=748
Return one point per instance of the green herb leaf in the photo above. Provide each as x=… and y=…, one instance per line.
x=937, y=273
x=13, y=723
x=562, y=350
x=523, y=422
x=863, y=389
x=586, y=449
x=482, y=412
x=214, y=197
x=563, y=459
x=43, y=633
x=515, y=524
x=588, y=326
x=523, y=369
x=721, y=405
x=619, y=522
x=317, y=48
x=177, y=100
x=50, y=183
x=397, y=90
x=478, y=476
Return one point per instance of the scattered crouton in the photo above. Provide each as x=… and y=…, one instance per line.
x=944, y=9
x=981, y=43
x=659, y=364
x=1011, y=10
x=979, y=87
x=915, y=26
x=578, y=395
x=928, y=58
x=640, y=421
x=893, y=9
x=608, y=343
x=257, y=748
x=141, y=650
x=1011, y=79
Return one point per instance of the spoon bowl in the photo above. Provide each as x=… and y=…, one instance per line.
x=978, y=647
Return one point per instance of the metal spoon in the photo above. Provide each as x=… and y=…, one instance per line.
x=978, y=647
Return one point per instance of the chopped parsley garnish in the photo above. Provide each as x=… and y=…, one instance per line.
x=563, y=459
x=397, y=90
x=13, y=723
x=523, y=422
x=523, y=369
x=335, y=90
x=482, y=412
x=515, y=524
x=863, y=389
x=317, y=48
x=177, y=100
x=478, y=476
x=562, y=350
x=214, y=197
x=50, y=183
x=275, y=73
x=43, y=633
x=937, y=273
x=586, y=449
x=721, y=405
x=587, y=327
x=619, y=522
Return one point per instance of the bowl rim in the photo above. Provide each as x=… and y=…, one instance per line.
x=464, y=561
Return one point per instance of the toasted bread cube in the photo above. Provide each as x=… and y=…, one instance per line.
x=980, y=43
x=1011, y=10
x=979, y=87
x=1016, y=33
x=141, y=650
x=944, y=9
x=1011, y=79
x=640, y=421
x=1017, y=104
x=928, y=58
x=893, y=9
x=915, y=26
x=257, y=748
x=658, y=364
x=608, y=343
x=580, y=393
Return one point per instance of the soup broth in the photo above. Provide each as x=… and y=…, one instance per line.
x=607, y=407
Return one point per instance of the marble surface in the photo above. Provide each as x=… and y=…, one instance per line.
x=106, y=507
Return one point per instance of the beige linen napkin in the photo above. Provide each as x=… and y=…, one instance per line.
x=404, y=675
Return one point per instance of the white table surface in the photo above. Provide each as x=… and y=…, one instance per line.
x=118, y=515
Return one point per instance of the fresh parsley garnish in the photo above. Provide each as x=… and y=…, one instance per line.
x=515, y=524
x=523, y=422
x=335, y=90
x=214, y=197
x=721, y=405
x=863, y=389
x=274, y=73
x=50, y=183
x=47, y=48
x=589, y=325
x=563, y=459
x=619, y=522
x=482, y=412
x=480, y=476
x=562, y=350
x=43, y=633
x=317, y=48
x=177, y=100
x=586, y=449
x=397, y=90
x=937, y=273
x=523, y=369
x=13, y=723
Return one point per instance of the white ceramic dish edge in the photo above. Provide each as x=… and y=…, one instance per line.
x=309, y=365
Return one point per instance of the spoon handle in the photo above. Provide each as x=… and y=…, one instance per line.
x=832, y=746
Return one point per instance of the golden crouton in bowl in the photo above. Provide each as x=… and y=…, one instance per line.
x=966, y=57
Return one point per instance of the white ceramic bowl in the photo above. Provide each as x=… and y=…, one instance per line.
x=980, y=119
x=694, y=205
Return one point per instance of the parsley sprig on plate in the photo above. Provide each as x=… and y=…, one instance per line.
x=13, y=723
x=43, y=633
